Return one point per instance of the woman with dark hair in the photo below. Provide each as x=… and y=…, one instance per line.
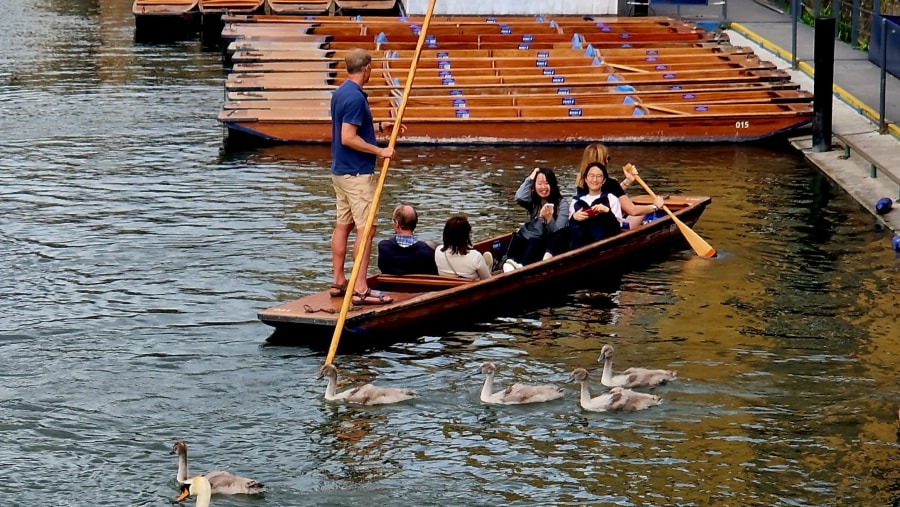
x=595, y=214
x=548, y=215
x=457, y=257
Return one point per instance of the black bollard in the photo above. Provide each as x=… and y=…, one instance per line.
x=823, y=86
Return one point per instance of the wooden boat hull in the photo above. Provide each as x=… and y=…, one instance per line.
x=245, y=128
x=427, y=303
x=165, y=19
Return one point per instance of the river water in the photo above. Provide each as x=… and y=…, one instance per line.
x=136, y=252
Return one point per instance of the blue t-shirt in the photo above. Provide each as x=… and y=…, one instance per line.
x=349, y=104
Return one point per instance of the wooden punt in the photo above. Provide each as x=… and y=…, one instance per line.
x=322, y=103
x=298, y=7
x=538, y=124
x=163, y=19
x=561, y=64
x=328, y=80
x=428, y=303
x=735, y=90
x=672, y=54
x=366, y=7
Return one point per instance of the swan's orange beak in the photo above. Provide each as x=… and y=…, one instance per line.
x=185, y=492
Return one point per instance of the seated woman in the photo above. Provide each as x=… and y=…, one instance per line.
x=548, y=215
x=456, y=257
x=596, y=214
x=634, y=214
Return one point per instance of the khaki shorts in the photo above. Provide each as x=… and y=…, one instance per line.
x=354, y=196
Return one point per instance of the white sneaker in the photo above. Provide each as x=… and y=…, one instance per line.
x=489, y=259
x=510, y=265
x=548, y=255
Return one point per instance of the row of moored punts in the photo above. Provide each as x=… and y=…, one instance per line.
x=168, y=19
x=502, y=80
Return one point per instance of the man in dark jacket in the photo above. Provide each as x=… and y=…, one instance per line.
x=403, y=254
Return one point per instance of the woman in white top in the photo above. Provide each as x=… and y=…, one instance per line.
x=596, y=214
x=457, y=257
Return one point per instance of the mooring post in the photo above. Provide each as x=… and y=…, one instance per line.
x=795, y=8
x=882, y=124
x=823, y=84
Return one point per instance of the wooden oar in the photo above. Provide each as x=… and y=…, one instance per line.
x=373, y=207
x=697, y=243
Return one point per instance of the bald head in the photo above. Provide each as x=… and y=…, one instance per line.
x=356, y=60
x=406, y=217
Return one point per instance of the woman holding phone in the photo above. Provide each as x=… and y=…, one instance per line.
x=548, y=214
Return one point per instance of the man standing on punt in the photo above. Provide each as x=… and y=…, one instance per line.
x=353, y=154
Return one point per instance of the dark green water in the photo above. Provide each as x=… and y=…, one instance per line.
x=136, y=253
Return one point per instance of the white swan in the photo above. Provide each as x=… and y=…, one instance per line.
x=632, y=377
x=516, y=393
x=367, y=394
x=221, y=482
x=617, y=399
x=198, y=487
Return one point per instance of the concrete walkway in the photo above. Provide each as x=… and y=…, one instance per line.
x=856, y=101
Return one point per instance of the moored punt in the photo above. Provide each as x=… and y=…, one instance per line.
x=366, y=7
x=648, y=54
x=298, y=7
x=211, y=12
x=322, y=103
x=164, y=19
x=328, y=80
x=637, y=64
x=538, y=124
x=424, y=303
x=735, y=90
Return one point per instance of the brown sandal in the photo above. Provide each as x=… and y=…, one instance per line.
x=367, y=298
x=337, y=290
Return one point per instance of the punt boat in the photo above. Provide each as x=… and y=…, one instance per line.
x=427, y=303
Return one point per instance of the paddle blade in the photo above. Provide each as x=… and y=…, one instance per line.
x=697, y=243
x=700, y=246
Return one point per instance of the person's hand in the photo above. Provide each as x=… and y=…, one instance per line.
x=547, y=212
x=387, y=152
x=389, y=125
x=534, y=173
x=630, y=171
x=581, y=215
x=599, y=208
x=658, y=202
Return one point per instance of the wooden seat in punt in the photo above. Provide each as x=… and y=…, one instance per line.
x=427, y=303
x=298, y=7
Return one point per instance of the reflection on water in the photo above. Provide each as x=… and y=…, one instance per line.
x=136, y=253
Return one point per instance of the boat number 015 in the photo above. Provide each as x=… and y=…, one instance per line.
x=742, y=124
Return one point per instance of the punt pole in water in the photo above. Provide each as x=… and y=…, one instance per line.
x=373, y=208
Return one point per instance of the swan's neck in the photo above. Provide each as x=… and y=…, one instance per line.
x=488, y=388
x=607, y=371
x=182, y=468
x=585, y=393
x=331, y=388
x=203, y=499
